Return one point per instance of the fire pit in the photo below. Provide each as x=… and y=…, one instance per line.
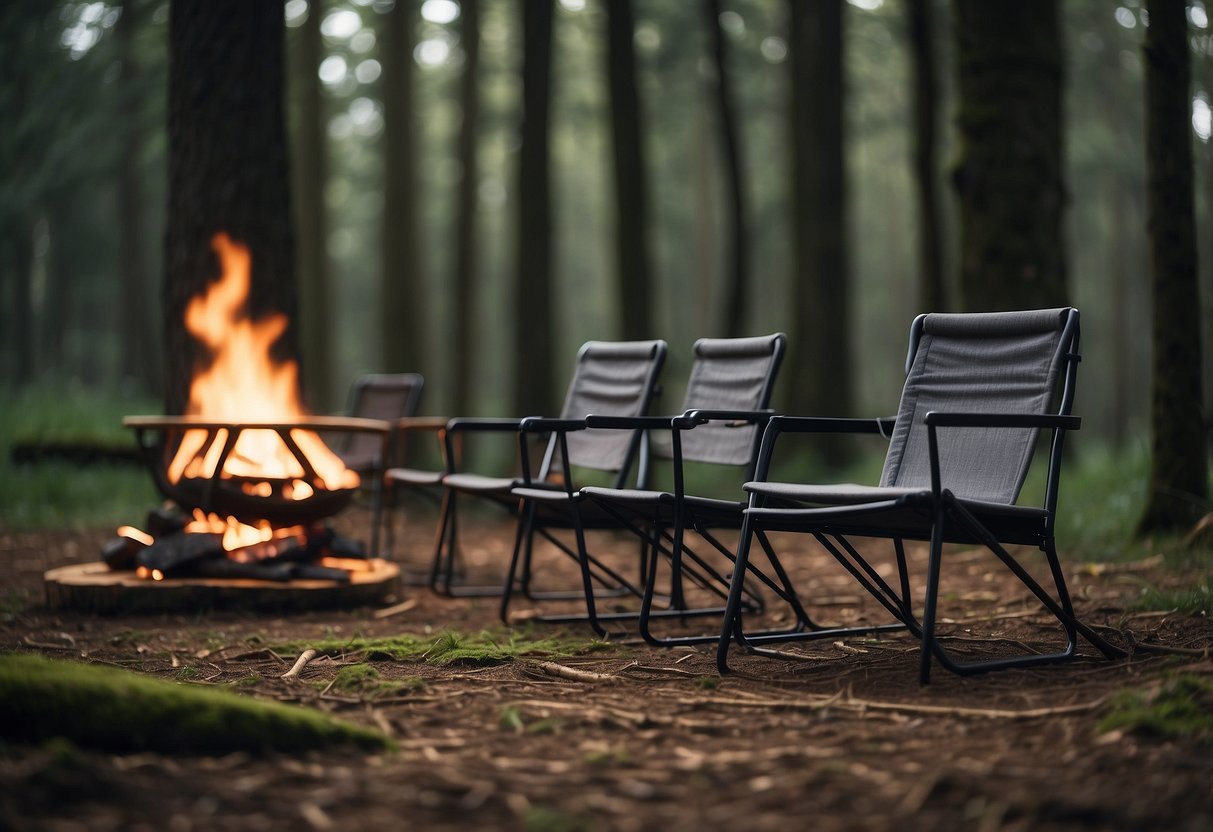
x=251, y=482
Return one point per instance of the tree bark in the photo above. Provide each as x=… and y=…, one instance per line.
x=932, y=289
x=462, y=330
x=733, y=315
x=310, y=146
x=1178, y=488
x=227, y=168
x=402, y=299
x=820, y=353
x=534, y=374
x=1009, y=178
x=138, y=337
x=631, y=200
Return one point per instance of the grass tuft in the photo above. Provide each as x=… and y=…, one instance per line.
x=1182, y=708
x=449, y=647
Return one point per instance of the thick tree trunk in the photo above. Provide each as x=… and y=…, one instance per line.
x=228, y=168
x=733, y=312
x=1178, y=488
x=820, y=354
x=310, y=168
x=463, y=339
x=138, y=337
x=631, y=200
x=932, y=290
x=1009, y=178
x=403, y=302
x=534, y=374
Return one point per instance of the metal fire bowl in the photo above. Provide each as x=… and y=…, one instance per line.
x=158, y=438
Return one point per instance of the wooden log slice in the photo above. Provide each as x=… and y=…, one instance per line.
x=94, y=587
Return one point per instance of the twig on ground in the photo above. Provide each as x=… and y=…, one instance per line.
x=573, y=674
x=395, y=609
x=304, y=657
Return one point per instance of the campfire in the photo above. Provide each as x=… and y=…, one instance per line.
x=250, y=480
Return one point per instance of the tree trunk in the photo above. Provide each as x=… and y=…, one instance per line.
x=734, y=311
x=227, y=168
x=310, y=147
x=932, y=290
x=820, y=352
x=402, y=299
x=534, y=375
x=1178, y=488
x=138, y=338
x=462, y=330
x=1009, y=178
x=631, y=201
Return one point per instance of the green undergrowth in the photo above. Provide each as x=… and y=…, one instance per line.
x=114, y=710
x=449, y=647
x=1181, y=708
x=56, y=494
x=1191, y=600
x=365, y=680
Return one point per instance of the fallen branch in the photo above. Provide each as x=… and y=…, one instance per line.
x=301, y=662
x=395, y=609
x=572, y=674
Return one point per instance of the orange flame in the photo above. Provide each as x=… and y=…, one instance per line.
x=244, y=384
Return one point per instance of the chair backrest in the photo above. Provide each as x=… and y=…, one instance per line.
x=730, y=374
x=611, y=378
x=387, y=396
x=988, y=362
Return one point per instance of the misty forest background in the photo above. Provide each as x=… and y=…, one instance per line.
x=378, y=251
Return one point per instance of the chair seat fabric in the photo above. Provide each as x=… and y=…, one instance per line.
x=415, y=476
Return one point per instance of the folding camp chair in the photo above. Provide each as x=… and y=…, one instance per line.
x=725, y=405
x=977, y=393
x=619, y=378
x=388, y=397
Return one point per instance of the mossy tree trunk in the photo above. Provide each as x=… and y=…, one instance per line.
x=820, y=365
x=462, y=341
x=632, y=263
x=1009, y=175
x=534, y=373
x=1178, y=487
x=402, y=301
x=227, y=167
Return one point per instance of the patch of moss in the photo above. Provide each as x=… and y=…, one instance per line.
x=367, y=681
x=115, y=710
x=542, y=819
x=1181, y=708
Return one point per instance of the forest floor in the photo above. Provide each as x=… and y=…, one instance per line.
x=840, y=737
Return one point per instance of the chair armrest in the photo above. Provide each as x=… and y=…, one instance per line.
x=482, y=425
x=417, y=423
x=538, y=424
x=629, y=422
x=691, y=418
x=1002, y=420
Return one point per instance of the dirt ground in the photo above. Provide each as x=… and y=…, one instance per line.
x=840, y=737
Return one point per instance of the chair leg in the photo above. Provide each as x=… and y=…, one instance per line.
x=932, y=596
x=732, y=607
x=522, y=538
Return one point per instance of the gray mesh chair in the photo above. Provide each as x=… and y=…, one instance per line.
x=609, y=377
x=388, y=397
x=728, y=392
x=977, y=393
